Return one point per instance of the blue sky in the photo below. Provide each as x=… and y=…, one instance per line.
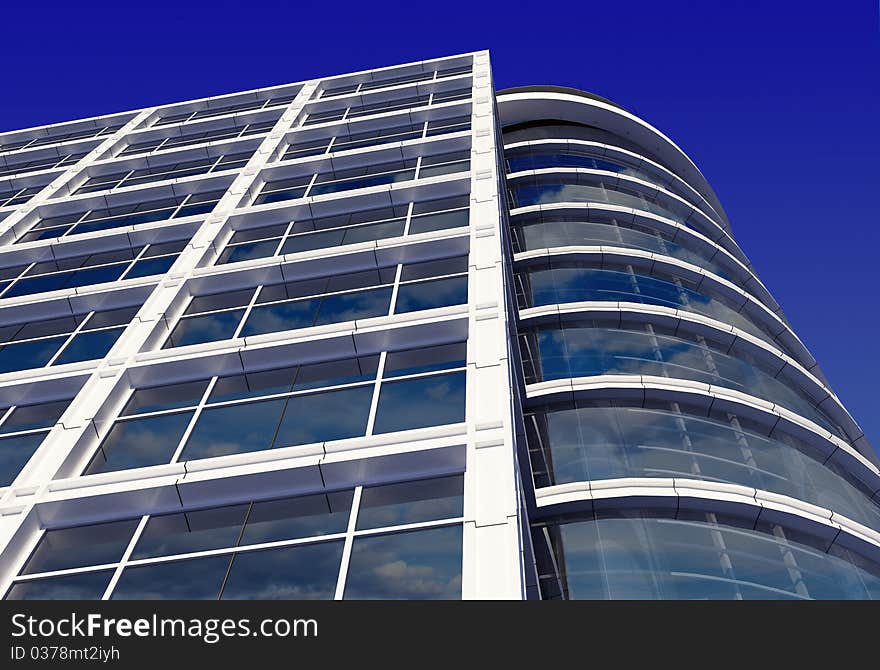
x=777, y=102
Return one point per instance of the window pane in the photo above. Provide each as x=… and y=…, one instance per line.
x=140, y=442
x=14, y=453
x=207, y=328
x=89, y=346
x=416, y=403
x=196, y=579
x=87, y=586
x=235, y=429
x=425, y=359
x=282, y=316
x=15, y=357
x=198, y=530
x=431, y=294
x=29, y=417
x=352, y=306
x=165, y=397
x=291, y=518
x=81, y=546
x=319, y=417
x=411, y=502
x=291, y=573
x=422, y=565
x=252, y=384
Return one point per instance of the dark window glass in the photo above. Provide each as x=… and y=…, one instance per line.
x=303, y=516
x=140, y=442
x=185, y=532
x=439, y=221
x=425, y=359
x=35, y=354
x=196, y=579
x=306, y=572
x=422, y=565
x=89, y=346
x=420, y=402
x=206, y=328
x=267, y=382
x=80, y=546
x=352, y=306
x=14, y=453
x=29, y=417
x=87, y=586
x=281, y=316
x=431, y=294
x=319, y=417
x=411, y=502
x=235, y=429
x=165, y=397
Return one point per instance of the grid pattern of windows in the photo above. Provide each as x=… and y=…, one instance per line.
x=68, y=339
x=230, y=108
x=22, y=429
x=107, y=266
x=55, y=137
x=105, y=218
x=285, y=407
x=215, y=133
x=385, y=81
x=56, y=160
x=356, y=138
x=146, y=175
x=377, y=174
x=18, y=195
x=284, y=549
x=351, y=109
x=332, y=231
x=323, y=300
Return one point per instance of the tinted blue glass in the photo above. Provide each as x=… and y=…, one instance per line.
x=421, y=565
x=85, y=586
x=439, y=221
x=79, y=546
x=234, y=429
x=307, y=572
x=151, y=266
x=281, y=316
x=421, y=402
x=302, y=516
x=14, y=453
x=198, y=530
x=89, y=346
x=245, y=252
x=34, y=354
x=424, y=359
x=165, y=397
x=318, y=417
x=97, y=275
x=31, y=285
x=195, y=579
x=140, y=442
x=661, y=558
x=352, y=306
x=321, y=240
x=206, y=328
x=29, y=417
x=411, y=502
x=431, y=294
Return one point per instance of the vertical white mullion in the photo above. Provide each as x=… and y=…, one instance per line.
x=125, y=556
x=409, y=214
x=349, y=538
x=418, y=167
x=192, y=422
x=393, y=302
x=247, y=311
x=374, y=401
x=309, y=187
x=134, y=260
x=76, y=331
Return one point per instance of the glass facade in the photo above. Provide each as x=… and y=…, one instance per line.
x=323, y=340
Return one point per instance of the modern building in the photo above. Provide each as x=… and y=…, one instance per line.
x=394, y=334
